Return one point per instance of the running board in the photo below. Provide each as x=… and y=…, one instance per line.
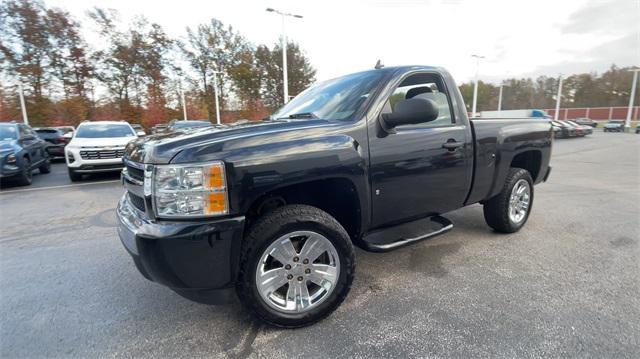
x=391, y=238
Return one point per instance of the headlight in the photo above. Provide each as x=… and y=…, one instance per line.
x=11, y=158
x=190, y=190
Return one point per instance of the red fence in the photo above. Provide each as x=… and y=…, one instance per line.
x=596, y=113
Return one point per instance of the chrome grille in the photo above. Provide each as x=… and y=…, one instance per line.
x=135, y=173
x=137, y=202
x=101, y=154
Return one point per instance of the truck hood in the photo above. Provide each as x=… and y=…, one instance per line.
x=101, y=142
x=161, y=148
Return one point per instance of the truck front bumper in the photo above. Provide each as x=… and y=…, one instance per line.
x=197, y=259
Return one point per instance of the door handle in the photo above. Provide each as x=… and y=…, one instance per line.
x=452, y=144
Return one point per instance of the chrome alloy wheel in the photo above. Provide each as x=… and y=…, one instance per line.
x=297, y=272
x=519, y=201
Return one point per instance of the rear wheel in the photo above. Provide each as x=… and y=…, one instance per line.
x=508, y=211
x=74, y=176
x=297, y=266
x=26, y=176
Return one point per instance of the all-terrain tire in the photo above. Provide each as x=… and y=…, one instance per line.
x=266, y=230
x=496, y=210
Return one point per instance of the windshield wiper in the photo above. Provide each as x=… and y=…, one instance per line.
x=300, y=115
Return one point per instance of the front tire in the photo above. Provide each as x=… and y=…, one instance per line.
x=509, y=210
x=297, y=266
x=25, y=177
x=74, y=176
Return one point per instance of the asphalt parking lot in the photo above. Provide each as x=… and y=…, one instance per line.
x=567, y=285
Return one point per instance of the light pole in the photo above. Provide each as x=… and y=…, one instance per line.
x=475, y=87
x=500, y=97
x=627, y=122
x=25, y=119
x=285, y=79
x=184, y=104
x=215, y=92
x=558, y=99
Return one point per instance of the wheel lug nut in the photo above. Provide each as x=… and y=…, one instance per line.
x=290, y=276
x=300, y=278
x=307, y=270
x=287, y=267
x=306, y=261
x=295, y=259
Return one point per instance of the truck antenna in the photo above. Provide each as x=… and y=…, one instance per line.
x=379, y=65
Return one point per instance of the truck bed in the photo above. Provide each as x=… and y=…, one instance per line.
x=503, y=143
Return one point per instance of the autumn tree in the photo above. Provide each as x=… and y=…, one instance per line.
x=24, y=44
x=214, y=47
x=269, y=69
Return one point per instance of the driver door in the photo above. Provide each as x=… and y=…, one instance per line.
x=423, y=169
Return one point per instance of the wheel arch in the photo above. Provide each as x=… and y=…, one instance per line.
x=338, y=196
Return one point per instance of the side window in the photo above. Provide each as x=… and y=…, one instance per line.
x=428, y=86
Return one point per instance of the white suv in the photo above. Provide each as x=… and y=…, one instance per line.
x=97, y=147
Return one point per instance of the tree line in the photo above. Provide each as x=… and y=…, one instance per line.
x=138, y=72
x=611, y=88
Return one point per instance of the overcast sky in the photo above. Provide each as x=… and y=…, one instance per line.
x=518, y=38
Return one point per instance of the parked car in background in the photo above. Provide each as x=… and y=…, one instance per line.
x=567, y=131
x=67, y=131
x=97, y=147
x=183, y=125
x=579, y=130
x=586, y=122
x=139, y=130
x=56, y=141
x=557, y=131
x=586, y=129
x=614, y=126
x=21, y=151
x=159, y=128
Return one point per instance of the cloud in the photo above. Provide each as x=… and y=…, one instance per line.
x=606, y=17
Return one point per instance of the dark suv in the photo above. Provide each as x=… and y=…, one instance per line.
x=56, y=140
x=21, y=151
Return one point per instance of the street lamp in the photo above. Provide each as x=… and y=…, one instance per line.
x=285, y=79
x=500, y=96
x=627, y=122
x=184, y=103
x=25, y=119
x=558, y=99
x=215, y=92
x=475, y=87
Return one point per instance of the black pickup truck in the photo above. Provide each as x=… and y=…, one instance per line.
x=271, y=210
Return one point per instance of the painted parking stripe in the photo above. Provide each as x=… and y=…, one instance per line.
x=57, y=187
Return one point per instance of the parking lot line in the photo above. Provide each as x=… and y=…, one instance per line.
x=56, y=187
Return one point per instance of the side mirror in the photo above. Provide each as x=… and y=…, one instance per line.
x=412, y=111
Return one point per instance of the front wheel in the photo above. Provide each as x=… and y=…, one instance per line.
x=297, y=266
x=74, y=176
x=26, y=175
x=509, y=210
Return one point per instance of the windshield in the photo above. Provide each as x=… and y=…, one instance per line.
x=104, y=130
x=336, y=99
x=8, y=133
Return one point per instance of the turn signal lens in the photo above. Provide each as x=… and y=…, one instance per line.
x=217, y=203
x=215, y=177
